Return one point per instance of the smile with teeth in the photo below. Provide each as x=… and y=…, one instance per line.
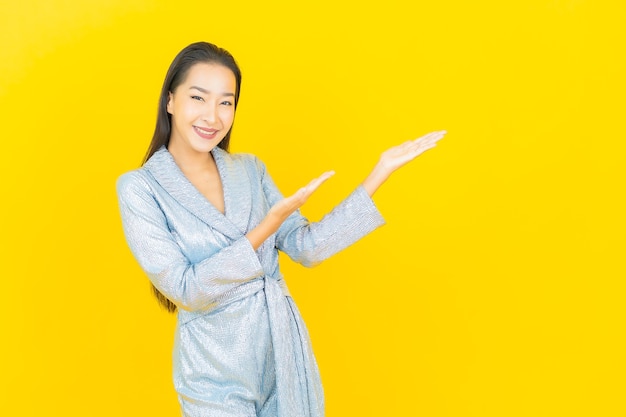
x=205, y=133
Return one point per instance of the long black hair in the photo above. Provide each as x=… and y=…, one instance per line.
x=199, y=52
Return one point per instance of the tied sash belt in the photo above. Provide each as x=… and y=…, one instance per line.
x=292, y=385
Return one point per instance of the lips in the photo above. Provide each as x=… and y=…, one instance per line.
x=206, y=133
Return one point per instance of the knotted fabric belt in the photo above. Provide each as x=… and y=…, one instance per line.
x=242, y=291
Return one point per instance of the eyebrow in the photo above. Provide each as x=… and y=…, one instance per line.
x=205, y=91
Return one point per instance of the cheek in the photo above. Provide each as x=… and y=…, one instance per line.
x=187, y=113
x=228, y=115
x=178, y=116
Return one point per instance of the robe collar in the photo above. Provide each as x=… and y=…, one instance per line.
x=235, y=183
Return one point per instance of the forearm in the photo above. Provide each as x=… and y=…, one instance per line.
x=309, y=243
x=191, y=285
x=196, y=286
x=268, y=226
x=282, y=208
x=375, y=179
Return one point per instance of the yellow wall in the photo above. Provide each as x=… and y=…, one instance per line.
x=497, y=287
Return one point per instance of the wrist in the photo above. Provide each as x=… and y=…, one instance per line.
x=376, y=178
x=268, y=226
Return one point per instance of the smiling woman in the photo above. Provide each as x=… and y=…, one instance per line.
x=202, y=109
x=206, y=227
x=202, y=112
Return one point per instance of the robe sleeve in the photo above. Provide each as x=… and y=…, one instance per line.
x=309, y=243
x=191, y=286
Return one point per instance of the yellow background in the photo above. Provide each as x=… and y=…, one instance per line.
x=495, y=289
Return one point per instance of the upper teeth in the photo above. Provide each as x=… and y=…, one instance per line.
x=204, y=130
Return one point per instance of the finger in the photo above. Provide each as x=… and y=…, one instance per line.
x=428, y=143
x=419, y=148
x=425, y=140
x=314, y=184
x=425, y=148
x=321, y=179
x=420, y=144
x=326, y=175
x=432, y=136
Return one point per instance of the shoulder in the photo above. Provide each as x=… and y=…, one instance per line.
x=249, y=159
x=133, y=182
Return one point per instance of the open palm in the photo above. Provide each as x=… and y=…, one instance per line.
x=399, y=155
x=288, y=205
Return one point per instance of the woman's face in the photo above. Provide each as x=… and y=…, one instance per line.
x=202, y=108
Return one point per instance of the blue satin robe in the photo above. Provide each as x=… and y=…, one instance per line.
x=241, y=347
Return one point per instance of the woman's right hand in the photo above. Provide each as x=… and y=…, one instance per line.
x=283, y=209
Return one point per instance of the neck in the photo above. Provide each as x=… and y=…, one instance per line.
x=189, y=160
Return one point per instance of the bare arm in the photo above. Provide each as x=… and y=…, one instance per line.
x=390, y=161
x=281, y=210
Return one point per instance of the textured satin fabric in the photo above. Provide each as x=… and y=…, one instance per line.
x=241, y=347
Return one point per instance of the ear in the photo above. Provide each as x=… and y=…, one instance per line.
x=169, y=102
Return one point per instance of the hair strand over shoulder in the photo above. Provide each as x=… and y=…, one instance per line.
x=199, y=52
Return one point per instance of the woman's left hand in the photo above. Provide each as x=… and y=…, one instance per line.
x=397, y=157
x=400, y=155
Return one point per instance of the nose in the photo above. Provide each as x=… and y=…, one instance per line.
x=210, y=114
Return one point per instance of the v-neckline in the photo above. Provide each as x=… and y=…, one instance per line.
x=235, y=185
x=220, y=175
x=235, y=188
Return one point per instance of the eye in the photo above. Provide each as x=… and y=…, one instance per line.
x=197, y=98
x=226, y=103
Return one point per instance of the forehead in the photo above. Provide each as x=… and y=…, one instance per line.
x=207, y=75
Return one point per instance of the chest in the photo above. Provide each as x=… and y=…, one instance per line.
x=209, y=184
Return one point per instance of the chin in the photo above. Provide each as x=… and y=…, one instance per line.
x=205, y=146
